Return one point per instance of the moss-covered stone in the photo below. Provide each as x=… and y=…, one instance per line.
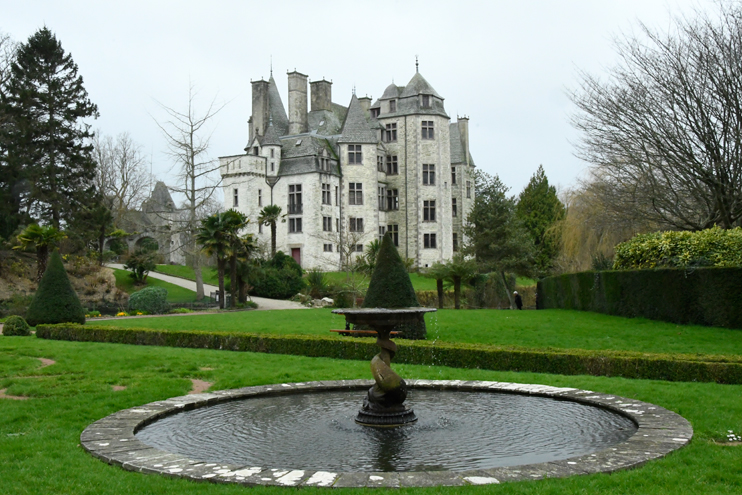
x=55, y=300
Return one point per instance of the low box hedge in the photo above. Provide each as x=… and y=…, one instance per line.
x=703, y=296
x=671, y=367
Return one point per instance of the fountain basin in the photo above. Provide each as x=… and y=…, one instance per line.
x=113, y=439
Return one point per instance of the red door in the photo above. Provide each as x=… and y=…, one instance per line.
x=296, y=254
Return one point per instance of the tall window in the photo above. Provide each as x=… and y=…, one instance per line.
x=235, y=198
x=455, y=241
x=429, y=211
x=426, y=101
x=427, y=129
x=356, y=224
x=273, y=153
x=380, y=163
x=337, y=202
x=392, y=199
x=355, y=193
x=295, y=199
x=326, y=194
x=324, y=163
x=260, y=228
x=468, y=189
x=428, y=174
x=453, y=175
x=392, y=166
x=273, y=167
x=294, y=225
x=354, y=154
x=394, y=232
x=382, y=231
x=382, y=198
x=392, y=106
x=390, y=134
x=375, y=112
x=429, y=241
x=327, y=224
x=260, y=197
x=454, y=208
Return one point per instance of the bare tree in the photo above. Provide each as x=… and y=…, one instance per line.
x=665, y=128
x=122, y=175
x=188, y=144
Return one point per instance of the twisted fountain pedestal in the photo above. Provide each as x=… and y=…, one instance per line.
x=384, y=403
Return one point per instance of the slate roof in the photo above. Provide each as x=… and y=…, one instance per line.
x=271, y=137
x=392, y=91
x=358, y=126
x=457, y=145
x=301, y=158
x=327, y=122
x=418, y=86
x=160, y=200
x=276, y=110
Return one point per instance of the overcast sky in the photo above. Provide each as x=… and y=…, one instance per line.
x=507, y=65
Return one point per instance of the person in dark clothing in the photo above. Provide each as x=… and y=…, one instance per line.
x=518, y=300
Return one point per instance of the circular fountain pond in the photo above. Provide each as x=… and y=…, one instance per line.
x=467, y=432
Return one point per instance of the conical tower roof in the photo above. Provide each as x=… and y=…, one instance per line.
x=271, y=136
x=357, y=127
x=277, y=112
x=418, y=85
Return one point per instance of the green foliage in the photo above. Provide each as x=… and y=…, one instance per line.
x=390, y=285
x=539, y=209
x=55, y=300
x=711, y=247
x=42, y=239
x=269, y=216
x=672, y=367
x=176, y=311
x=141, y=262
x=317, y=283
x=277, y=278
x=15, y=325
x=151, y=300
x=705, y=296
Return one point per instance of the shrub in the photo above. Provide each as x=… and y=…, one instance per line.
x=141, y=262
x=55, y=300
x=175, y=311
x=711, y=247
x=152, y=300
x=277, y=278
x=317, y=283
x=15, y=325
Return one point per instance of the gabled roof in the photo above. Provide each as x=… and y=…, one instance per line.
x=357, y=126
x=276, y=109
x=417, y=86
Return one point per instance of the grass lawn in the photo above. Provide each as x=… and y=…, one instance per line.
x=209, y=274
x=175, y=293
x=547, y=328
x=39, y=437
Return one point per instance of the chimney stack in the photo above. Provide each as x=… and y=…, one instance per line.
x=463, y=123
x=321, y=95
x=297, y=102
x=260, y=108
x=365, y=104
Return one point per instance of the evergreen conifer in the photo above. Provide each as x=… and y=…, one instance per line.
x=55, y=300
x=390, y=285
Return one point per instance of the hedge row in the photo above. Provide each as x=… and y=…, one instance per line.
x=702, y=368
x=705, y=296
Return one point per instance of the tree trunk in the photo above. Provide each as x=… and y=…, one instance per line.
x=507, y=289
x=242, y=284
x=199, y=277
x=42, y=255
x=439, y=287
x=273, y=239
x=457, y=292
x=233, y=281
x=220, y=273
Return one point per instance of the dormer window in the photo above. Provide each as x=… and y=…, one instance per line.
x=426, y=101
x=255, y=150
x=392, y=106
x=375, y=112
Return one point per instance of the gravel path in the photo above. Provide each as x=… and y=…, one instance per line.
x=262, y=302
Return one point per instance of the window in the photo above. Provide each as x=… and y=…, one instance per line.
x=382, y=231
x=260, y=197
x=468, y=189
x=392, y=199
x=429, y=211
x=235, y=198
x=453, y=175
x=295, y=199
x=273, y=167
x=328, y=248
x=380, y=164
x=392, y=166
x=394, y=232
x=454, y=208
x=260, y=228
x=355, y=193
x=326, y=194
x=390, y=135
x=426, y=101
x=255, y=151
x=382, y=199
x=356, y=224
x=375, y=112
x=428, y=174
x=429, y=241
x=294, y=225
x=336, y=196
x=327, y=224
x=337, y=225
x=455, y=241
x=354, y=154
x=359, y=248
x=273, y=153
x=427, y=129
x=392, y=106
x=324, y=163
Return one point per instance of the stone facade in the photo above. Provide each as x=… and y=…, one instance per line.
x=346, y=175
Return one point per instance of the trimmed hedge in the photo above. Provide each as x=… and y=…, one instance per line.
x=705, y=296
x=15, y=325
x=671, y=367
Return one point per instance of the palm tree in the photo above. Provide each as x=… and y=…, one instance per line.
x=439, y=272
x=269, y=216
x=234, y=221
x=213, y=235
x=245, y=249
x=42, y=239
x=460, y=268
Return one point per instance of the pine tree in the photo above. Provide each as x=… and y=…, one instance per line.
x=55, y=300
x=538, y=209
x=48, y=139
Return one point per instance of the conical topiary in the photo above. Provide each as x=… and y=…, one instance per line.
x=390, y=285
x=55, y=300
